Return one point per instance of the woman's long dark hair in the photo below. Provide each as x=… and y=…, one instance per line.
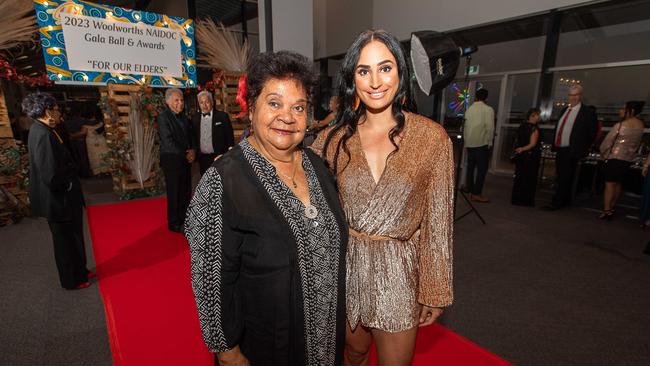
x=347, y=118
x=633, y=108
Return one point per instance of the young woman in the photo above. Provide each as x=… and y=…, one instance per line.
x=394, y=171
x=619, y=150
x=527, y=160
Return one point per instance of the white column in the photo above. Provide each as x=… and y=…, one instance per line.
x=292, y=25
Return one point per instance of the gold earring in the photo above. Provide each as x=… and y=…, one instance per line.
x=357, y=102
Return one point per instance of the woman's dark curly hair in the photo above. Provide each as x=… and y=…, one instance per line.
x=633, y=108
x=347, y=117
x=531, y=112
x=35, y=104
x=278, y=65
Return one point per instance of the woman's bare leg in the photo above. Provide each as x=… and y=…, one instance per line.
x=617, y=193
x=357, y=345
x=607, y=197
x=395, y=349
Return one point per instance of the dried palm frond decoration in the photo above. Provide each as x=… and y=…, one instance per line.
x=220, y=48
x=142, y=137
x=16, y=23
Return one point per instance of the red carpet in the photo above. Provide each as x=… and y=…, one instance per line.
x=144, y=280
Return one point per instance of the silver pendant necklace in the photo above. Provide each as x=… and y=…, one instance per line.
x=311, y=211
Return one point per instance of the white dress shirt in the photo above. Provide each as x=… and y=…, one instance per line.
x=568, y=126
x=206, y=134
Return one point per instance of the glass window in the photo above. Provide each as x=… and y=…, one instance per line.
x=254, y=41
x=458, y=99
x=455, y=96
x=513, y=55
x=607, y=32
x=622, y=42
x=521, y=95
x=607, y=89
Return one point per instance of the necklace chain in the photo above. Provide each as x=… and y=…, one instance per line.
x=293, y=174
x=293, y=163
x=310, y=211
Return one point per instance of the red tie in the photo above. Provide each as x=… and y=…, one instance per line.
x=558, y=139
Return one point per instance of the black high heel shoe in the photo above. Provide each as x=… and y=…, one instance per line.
x=606, y=215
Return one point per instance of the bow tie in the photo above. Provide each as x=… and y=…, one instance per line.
x=205, y=114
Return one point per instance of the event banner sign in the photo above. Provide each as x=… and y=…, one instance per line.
x=92, y=43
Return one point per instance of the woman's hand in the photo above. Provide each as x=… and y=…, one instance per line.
x=190, y=156
x=519, y=150
x=234, y=357
x=428, y=315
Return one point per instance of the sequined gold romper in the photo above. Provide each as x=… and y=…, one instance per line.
x=400, y=249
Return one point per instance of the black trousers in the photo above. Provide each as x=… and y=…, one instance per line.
x=69, y=249
x=205, y=161
x=478, y=159
x=525, y=181
x=565, y=168
x=178, y=179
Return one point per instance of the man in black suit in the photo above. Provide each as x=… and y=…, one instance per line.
x=574, y=135
x=213, y=134
x=176, y=156
x=55, y=190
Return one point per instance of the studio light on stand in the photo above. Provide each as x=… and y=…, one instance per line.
x=435, y=58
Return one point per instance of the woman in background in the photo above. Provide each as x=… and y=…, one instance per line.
x=527, y=158
x=619, y=150
x=330, y=119
x=395, y=172
x=55, y=190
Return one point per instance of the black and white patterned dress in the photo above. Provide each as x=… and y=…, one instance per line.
x=265, y=276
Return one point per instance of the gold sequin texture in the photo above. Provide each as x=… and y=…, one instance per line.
x=400, y=249
x=625, y=146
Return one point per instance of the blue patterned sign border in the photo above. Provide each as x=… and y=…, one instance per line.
x=56, y=62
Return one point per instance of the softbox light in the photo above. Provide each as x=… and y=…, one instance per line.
x=435, y=58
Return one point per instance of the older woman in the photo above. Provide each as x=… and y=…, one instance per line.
x=267, y=236
x=395, y=175
x=55, y=191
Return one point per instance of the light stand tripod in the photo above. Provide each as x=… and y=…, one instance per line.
x=472, y=209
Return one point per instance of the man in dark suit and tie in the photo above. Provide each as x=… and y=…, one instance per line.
x=176, y=156
x=574, y=135
x=213, y=134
